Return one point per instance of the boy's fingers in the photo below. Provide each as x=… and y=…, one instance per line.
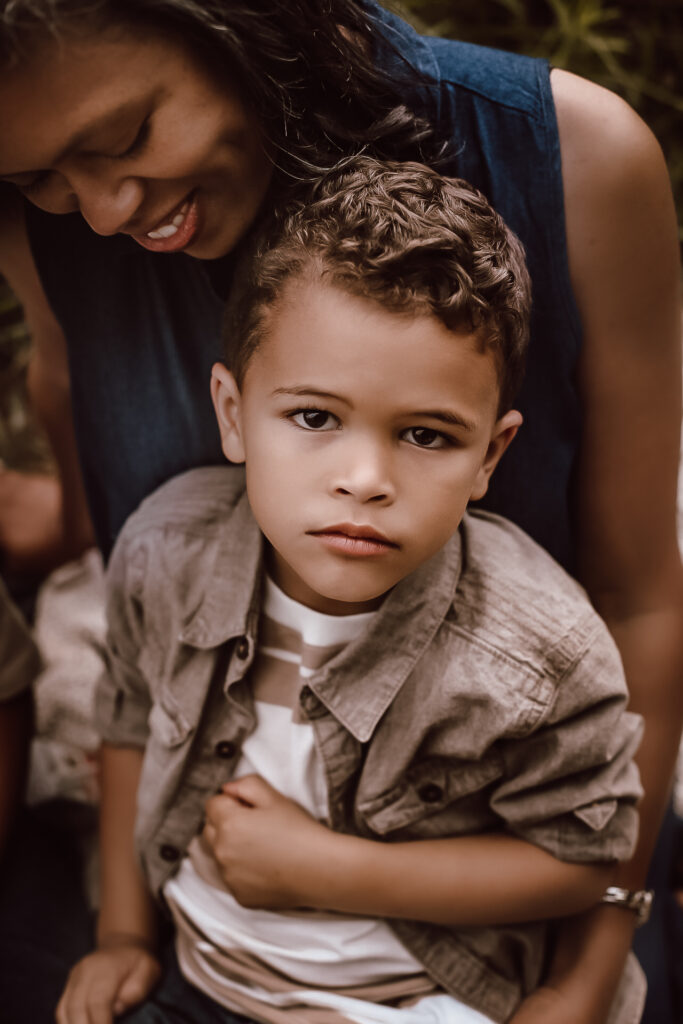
x=250, y=789
x=210, y=834
x=220, y=808
x=137, y=984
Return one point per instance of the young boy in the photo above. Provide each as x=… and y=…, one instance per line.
x=374, y=739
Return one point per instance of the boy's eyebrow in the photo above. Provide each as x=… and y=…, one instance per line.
x=452, y=419
x=304, y=389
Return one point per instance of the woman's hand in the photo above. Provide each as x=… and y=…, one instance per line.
x=108, y=982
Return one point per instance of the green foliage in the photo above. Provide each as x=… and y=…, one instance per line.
x=22, y=446
x=633, y=47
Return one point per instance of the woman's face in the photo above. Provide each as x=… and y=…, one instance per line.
x=135, y=134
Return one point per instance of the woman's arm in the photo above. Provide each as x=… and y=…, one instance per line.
x=43, y=521
x=623, y=252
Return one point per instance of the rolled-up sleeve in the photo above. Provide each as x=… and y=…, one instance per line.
x=19, y=659
x=122, y=701
x=572, y=786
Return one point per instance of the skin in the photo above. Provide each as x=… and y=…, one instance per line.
x=622, y=248
x=399, y=448
x=101, y=145
x=402, y=446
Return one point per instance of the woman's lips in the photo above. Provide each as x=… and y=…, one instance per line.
x=176, y=232
x=357, y=541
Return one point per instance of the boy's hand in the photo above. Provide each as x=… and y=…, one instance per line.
x=108, y=982
x=266, y=846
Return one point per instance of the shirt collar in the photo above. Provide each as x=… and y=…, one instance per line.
x=359, y=684
x=230, y=605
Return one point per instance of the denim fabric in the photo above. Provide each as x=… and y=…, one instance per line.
x=143, y=328
x=486, y=694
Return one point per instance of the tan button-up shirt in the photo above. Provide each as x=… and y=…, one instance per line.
x=486, y=694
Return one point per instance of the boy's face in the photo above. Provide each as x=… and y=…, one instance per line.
x=365, y=433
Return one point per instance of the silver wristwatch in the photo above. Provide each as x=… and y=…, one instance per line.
x=637, y=900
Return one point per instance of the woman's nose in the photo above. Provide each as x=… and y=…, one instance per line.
x=108, y=205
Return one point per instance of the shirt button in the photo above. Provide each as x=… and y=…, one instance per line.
x=169, y=853
x=430, y=793
x=242, y=648
x=225, y=749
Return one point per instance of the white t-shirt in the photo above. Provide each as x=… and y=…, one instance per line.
x=291, y=967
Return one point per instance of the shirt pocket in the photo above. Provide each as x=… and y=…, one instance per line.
x=435, y=797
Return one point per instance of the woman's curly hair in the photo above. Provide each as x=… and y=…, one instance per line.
x=404, y=236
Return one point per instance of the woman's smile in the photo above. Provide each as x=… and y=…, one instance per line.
x=139, y=138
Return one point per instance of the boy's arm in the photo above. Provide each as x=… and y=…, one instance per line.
x=466, y=881
x=565, y=801
x=124, y=968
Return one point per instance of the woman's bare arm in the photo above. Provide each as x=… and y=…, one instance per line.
x=43, y=521
x=623, y=252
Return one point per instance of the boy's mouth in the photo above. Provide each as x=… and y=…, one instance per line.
x=354, y=539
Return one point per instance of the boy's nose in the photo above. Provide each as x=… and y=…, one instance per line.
x=366, y=477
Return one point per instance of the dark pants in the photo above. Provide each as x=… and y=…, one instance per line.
x=175, y=1001
x=659, y=944
x=45, y=925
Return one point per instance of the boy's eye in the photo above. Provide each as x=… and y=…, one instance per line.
x=425, y=437
x=314, y=419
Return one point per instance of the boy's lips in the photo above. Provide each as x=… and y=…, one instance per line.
x=354, y=539
x=175, y=231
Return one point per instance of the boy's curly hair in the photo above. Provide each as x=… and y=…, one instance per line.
x=406, y=237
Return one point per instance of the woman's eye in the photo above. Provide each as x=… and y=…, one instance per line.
x=138, y=142
x=425, y=437
x=33, y=186
x=314, y=419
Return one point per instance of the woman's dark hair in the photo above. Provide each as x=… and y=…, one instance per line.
x=304, y=67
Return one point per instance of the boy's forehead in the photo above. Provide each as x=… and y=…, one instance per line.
x=322, y=335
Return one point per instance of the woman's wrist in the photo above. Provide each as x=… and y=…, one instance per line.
x=118, y=939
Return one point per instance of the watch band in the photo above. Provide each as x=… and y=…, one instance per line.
x=639, y=901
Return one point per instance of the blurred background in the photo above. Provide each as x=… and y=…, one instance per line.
x=634, y=47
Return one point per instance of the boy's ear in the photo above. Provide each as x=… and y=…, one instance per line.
x=227, y=403
x=502, y=434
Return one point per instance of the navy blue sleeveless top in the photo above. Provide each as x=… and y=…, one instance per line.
x=143, y=329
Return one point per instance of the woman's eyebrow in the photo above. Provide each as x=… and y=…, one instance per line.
x=102, y=122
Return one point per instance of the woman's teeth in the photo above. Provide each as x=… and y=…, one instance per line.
x=167, y=230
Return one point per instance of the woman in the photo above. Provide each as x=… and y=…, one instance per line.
x=168, y=127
